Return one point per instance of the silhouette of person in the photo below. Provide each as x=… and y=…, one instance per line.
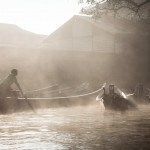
x=5, y=84
x=139, y=90
x=111, y=89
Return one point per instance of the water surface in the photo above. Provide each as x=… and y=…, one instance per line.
x=85, y=128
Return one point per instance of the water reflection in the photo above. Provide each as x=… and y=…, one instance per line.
x=90, y=128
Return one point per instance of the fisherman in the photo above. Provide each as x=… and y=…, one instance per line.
x=5, y=85
x=111, y=89
x=139, y=90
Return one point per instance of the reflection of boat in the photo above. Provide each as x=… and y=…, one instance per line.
x=115, y=99
x=13, y=104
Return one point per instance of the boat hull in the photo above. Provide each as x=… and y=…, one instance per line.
x=118, y=103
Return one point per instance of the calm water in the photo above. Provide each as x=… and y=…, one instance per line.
x=85, y=128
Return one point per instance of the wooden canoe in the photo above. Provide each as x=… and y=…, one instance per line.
x=12, y=105
x=117, y=101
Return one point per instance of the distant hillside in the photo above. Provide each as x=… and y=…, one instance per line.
x=13, y=36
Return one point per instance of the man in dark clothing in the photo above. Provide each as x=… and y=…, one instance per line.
x=5, y=85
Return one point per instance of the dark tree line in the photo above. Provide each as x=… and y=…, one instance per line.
x=137, y=9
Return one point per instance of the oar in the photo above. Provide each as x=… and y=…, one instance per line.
x=101, y=94
x=29, y=104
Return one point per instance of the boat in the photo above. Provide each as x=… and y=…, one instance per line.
x=115, y=99
x=18, y=104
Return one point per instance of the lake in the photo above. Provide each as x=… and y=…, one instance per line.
x=85, y=128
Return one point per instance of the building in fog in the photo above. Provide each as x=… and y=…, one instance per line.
x=82, y=33
x=14, y=37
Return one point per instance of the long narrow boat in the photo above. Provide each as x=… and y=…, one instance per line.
x=115, y=99
x=11, y=105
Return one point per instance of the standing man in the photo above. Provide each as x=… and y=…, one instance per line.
x=5, y=84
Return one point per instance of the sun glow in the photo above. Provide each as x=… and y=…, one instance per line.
x=38, y=16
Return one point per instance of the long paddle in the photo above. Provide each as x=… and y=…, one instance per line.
x=29, y=104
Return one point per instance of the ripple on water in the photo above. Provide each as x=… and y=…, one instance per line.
x=76, y=128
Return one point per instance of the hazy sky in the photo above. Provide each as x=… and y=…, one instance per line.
x=38, y=16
